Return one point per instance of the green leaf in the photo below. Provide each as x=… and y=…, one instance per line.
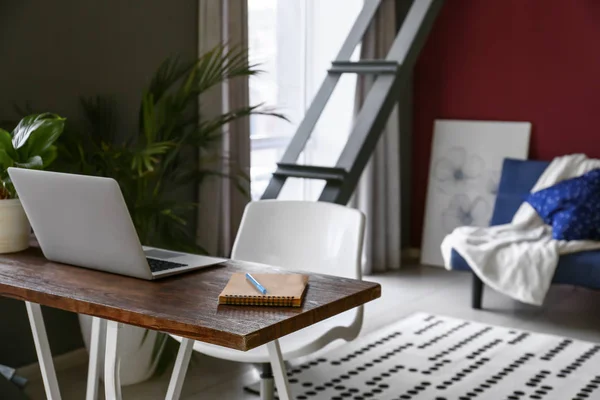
x=6, y=144
x=34, y=162
x=30, y=124
x=49, y=155
x=6, y=161
x=44, y=136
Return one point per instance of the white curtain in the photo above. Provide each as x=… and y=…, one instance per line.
x=378, y=192
x=221, y=203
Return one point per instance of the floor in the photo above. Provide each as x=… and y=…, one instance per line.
x=568, y=311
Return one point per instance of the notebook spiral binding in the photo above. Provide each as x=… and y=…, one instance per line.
x=283, y=301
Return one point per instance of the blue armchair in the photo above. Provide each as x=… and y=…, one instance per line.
x=517, y=180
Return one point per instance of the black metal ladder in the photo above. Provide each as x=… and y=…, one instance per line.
x=341, y=180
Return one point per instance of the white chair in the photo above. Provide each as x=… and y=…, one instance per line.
x=317, y=237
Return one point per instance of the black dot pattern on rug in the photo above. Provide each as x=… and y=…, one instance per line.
x=519, y=338
x=463, y=373
x=516, y=395
x=428, y=327
x=415, y=391
x=555, y=350
x=429, y=318
x=486, y=366
x=436, y=367
x=366, y=348
x=494, y=380
x=488, y=346
x=445, y=335
x=579, y=361
x=537, y=379
x=591, y=388
x=461, y=344
x=298, y=370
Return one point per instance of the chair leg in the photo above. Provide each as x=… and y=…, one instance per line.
x=98, y=331
x=477, y=293
x=267, y=385
x=180, y=369
x=279, y=371
x=42, y=348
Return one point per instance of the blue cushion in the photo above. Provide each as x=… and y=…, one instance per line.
x=517, y=180
x=581, y=222
x=571, y=207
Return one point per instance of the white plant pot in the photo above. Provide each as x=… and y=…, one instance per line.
x=135, y=357
x=14, y=227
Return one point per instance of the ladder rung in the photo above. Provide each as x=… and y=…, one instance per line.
x=364, y=67
x=310, y=172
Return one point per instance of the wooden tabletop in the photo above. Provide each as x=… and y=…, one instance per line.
x=186, y=304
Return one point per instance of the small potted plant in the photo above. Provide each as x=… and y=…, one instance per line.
x=29, y=145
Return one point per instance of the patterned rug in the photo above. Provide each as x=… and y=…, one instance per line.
x=430, y=357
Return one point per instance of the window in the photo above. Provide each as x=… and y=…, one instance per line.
x=294, y=43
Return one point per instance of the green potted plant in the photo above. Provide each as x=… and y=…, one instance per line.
x=29, y=145
x=172, y=148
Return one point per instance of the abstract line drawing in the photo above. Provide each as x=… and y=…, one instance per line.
x=461, y=211
x=457, y=169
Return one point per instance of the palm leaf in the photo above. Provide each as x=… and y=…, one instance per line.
x=211, y=130
x=221, y=64
x=169, y=72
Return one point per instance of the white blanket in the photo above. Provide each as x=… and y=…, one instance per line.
x=519, y=259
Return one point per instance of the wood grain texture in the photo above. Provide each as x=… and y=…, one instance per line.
x=185, y=305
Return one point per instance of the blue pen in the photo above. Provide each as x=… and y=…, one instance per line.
x=257, y=285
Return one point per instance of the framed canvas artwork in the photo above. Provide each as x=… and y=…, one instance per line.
x=466, y=160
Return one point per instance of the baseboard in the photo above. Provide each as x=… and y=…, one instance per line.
x=62, y=362
x=411, y=255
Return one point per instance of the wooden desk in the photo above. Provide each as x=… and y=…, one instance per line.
x=185, y=305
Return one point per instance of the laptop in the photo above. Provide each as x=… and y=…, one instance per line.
x=83, y=221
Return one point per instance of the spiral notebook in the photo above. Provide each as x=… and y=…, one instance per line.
x=282, y=290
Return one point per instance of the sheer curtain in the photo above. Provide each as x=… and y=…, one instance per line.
x=378, y=192
x=294, y=41
x=221, y=203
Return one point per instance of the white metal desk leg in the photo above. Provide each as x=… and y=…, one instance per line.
x=98, y=329
x=112, y=381
x=180, y=369
x=279, y=372
x=42, y=348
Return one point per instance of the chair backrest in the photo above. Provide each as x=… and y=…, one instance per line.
x=517, y=179
x=301, y=235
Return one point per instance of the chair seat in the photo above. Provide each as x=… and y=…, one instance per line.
x=580, y=269
x=297, y=344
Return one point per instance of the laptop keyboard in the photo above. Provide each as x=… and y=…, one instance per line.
x=161, y=265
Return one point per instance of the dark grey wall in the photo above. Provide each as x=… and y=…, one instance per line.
x=53, y=52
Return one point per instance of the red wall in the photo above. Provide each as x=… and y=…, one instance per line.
x=512, y=60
